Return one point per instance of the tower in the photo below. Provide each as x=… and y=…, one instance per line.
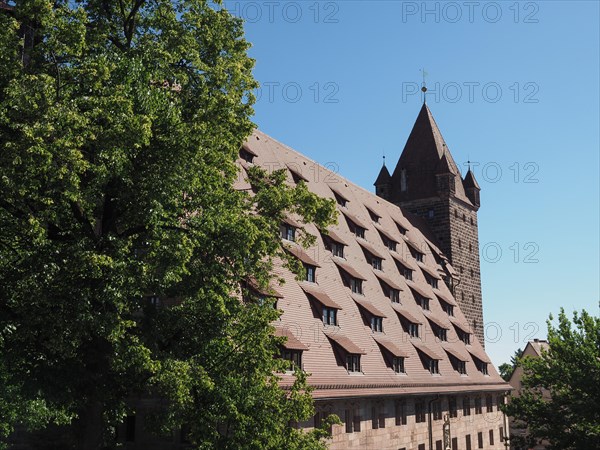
x=427, y=183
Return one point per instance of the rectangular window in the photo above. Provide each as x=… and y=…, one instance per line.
x=407, y=273
x=400, y=413
x=337, y=249
x=491, y=437
x=288, y=232
x=413, y=329
x=454, y=443
x=356, y=285
x=501, y=430
x=433, y=282
x=376, y=263
x=489, y=405
x=441, y=334
x=391, y=245
x=377, y=324
x=377, y=417
x=311, y=273
x=419, y=412
x=398, y=364
x=448, y=309
x=317, y=419
x=419, y=256
x=352, y=420
x=438, y=445
x=434, y=367
x=422, y=302
x=353, y=362
x=294, y=357
x=477, y=405
x=437, y=410
x=329, y=316
x=480, y=440
x=466, y=406
x=359, y=231
x=468, y=441
x=394, y=295
x=465, y=337
x=421, y=447
x=452, y=408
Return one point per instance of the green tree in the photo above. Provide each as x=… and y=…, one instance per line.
x=506, y=370
x=120, y=123
x=561, y=389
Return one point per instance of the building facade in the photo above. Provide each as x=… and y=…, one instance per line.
x=389, y=320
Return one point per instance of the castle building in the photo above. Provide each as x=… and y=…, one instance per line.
x=388, y=320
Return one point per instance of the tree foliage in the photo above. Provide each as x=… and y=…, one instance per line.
x=506, y=369
x=120, y=123
x=561, y=389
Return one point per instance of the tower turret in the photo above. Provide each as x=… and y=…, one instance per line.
x=472, y=188
x=383, y=183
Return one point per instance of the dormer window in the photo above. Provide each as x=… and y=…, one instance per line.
x=340, y=200
x=448, y=308
x=153, y=300
x=374, y=217
x=391, y=245
x=459, y=366
x=359, y=232
x=247, y=155
x=329, y=316
x=441, y=333
x=377, y=324
x=481, y=366
x=394, y=295
x=376, y=263
x=463, y=336
x=353, y=362
x=398, y=364
x=311, y=273
x=423, y=302
x=294, y=357
x=433, y=282
x=412, y=329
x=333, y=244
x=356, y=285
x=419, y=256
x=288, y=232
x=401, y=229
x=433, y=366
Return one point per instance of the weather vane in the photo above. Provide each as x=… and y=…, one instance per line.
x=424, y=86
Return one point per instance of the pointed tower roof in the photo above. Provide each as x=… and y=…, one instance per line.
x=383, y=177
x=470, y=181
x=444, y=166
x=424, y=154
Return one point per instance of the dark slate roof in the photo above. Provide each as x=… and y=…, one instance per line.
x=470, y=180
x=383, y=177
x=422, y=155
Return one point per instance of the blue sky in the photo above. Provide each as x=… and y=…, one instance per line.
x=517, y=93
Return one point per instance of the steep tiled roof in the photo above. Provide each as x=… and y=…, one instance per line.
x=470, y=180
x=353, y=334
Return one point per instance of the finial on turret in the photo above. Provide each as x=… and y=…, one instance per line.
x=424, y=86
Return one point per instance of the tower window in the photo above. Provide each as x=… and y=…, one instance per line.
x=456, y=213
x=472, y=221
x=403, y=185
x=464, y=218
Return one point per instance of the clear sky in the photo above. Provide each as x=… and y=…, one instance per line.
x=514, y=87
